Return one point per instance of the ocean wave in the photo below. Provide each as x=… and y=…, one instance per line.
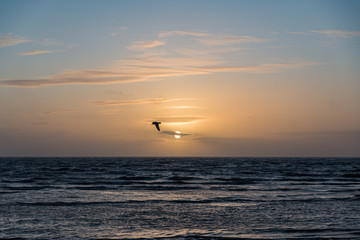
x=27, y=188
x=19, y=180
x=13, y=238
x=180, y=237
x=237, y=181
x=165, y=187
x=351, y=175
x=135, y=201
x=103, y=188
x=56, y=204
x=103, y=198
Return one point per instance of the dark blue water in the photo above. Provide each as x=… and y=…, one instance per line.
x=179, y=198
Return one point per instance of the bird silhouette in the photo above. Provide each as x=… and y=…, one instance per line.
x=156, y=125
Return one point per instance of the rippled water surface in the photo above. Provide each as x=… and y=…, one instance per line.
x=179, y=198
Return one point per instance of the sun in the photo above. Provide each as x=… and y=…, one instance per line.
x=177, y=135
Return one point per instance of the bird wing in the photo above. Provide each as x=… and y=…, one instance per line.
x=157, y=126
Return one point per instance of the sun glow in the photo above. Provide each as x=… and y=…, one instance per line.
x=177, y=135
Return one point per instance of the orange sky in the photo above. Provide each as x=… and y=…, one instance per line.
x=240, y=79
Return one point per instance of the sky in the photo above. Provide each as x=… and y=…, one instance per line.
x=224, y=78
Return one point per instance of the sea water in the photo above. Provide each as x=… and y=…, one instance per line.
x=179, y=198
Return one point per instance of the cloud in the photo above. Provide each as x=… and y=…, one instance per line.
x=7, y=40
x=182, y=33
x=62, y=111
x=190, y=51
x=164, y=63
x=136, y=101
x=117, y=31
x=143, y=45
x=308, y=145
x=76, y=77
x=262, y=68
x=179, y=119
x=208, y=39
x=34, y=53
x=228, y=39
x=339, y=33
x=160, y=67
x=300, y=33
x=151, y=69
x=331, y=33
x=207, y=51
x=51, y=82
x=186, y=107
x=172, y=133
x=355, y=134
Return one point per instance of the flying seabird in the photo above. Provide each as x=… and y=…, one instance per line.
x=157, y=125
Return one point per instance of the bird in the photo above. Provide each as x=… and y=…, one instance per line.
x=156, y=125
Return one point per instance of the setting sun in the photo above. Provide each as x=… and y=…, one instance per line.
x=178, y=134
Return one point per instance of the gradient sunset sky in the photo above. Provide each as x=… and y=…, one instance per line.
x=236, y=78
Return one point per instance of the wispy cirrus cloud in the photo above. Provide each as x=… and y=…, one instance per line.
x=171, y=63
x=213, y=39
x=183, y=33
x=338, y=33
x=8, y=39
x=108, y=103
x=228, y=39
x=143, y=45
x=186, y=107
x=261, y=68
x=75, y=77
x=31, y=53
x=150, y=70
x=299, y=33
x=61, y=111
x=331, y=33
x=180, y=119
x=353, y=133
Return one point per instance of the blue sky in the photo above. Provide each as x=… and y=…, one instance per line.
x=238, y=78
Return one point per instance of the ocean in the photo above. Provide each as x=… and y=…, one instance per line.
x=179, y=198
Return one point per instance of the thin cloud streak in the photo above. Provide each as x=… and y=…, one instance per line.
x=180, y=119
x=339, y=33
x=354, y=133
x=33, y=83
x=7, y=40
x=228, y=39
x=143, y=45
x=63, y=111
x=182, y=33
x=262, y=68
x=151, y=72
x=186, y=107
x=172, y=133
x=136, y=101
x=331, y=33
x=34, y=53
x=299, y=33
x=213, y=39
